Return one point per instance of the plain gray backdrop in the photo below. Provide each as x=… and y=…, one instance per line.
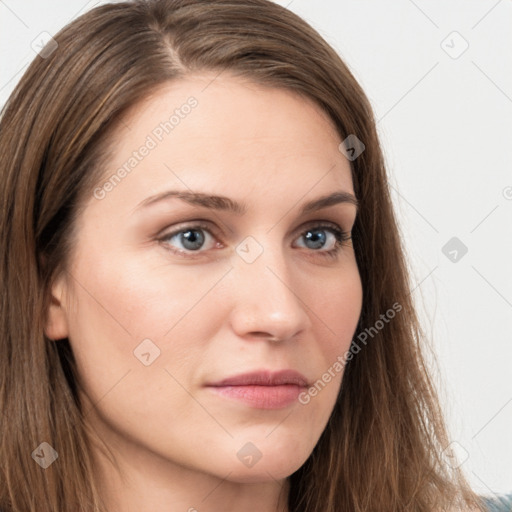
x=439, y=76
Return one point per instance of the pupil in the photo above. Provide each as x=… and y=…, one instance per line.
x=317, y=238
x=192, y=239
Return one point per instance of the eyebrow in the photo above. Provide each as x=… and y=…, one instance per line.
x=222, y=203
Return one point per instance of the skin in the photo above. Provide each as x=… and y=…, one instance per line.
x=211, y=315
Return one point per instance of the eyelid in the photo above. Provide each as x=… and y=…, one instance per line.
x=208, y=226
x=188, y=224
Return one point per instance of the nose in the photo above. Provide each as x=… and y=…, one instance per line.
x=268, y=298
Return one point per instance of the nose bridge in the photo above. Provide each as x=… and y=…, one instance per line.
x=266, y=298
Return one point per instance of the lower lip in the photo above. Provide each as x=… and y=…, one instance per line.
x=261, y=397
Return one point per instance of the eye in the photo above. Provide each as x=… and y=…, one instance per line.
x=193, y=238
x=326, y=239
x=189, y=241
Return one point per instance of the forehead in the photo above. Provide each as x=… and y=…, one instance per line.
x=225, y=133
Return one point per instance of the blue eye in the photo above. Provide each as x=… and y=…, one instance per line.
x=190, y=239
x=326, y=240
x=317, y=238
x=323, y=240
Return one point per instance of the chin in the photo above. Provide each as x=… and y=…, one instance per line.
x=262, y=473
x=273, y=465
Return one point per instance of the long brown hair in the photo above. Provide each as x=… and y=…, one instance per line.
x=383, y=446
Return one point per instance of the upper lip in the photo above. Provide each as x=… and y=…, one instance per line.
x=264, y=378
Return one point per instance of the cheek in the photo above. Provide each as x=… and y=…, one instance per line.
x=127, y=308
x=335, y=309
x=138, y=343
x=143, y=295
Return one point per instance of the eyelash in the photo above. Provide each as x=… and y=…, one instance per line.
x=341, y=238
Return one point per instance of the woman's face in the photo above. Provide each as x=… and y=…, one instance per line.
x=165, y=297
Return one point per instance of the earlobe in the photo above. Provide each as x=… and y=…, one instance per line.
x=56, y=326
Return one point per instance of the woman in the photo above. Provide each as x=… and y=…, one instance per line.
x=205, y=301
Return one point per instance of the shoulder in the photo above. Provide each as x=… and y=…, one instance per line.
x=498, y=503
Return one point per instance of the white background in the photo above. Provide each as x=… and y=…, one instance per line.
x=446, y=127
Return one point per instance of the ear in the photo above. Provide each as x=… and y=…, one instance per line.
x=56, y=326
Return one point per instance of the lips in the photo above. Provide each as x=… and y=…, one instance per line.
x=264, y=378
x=262, y=389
